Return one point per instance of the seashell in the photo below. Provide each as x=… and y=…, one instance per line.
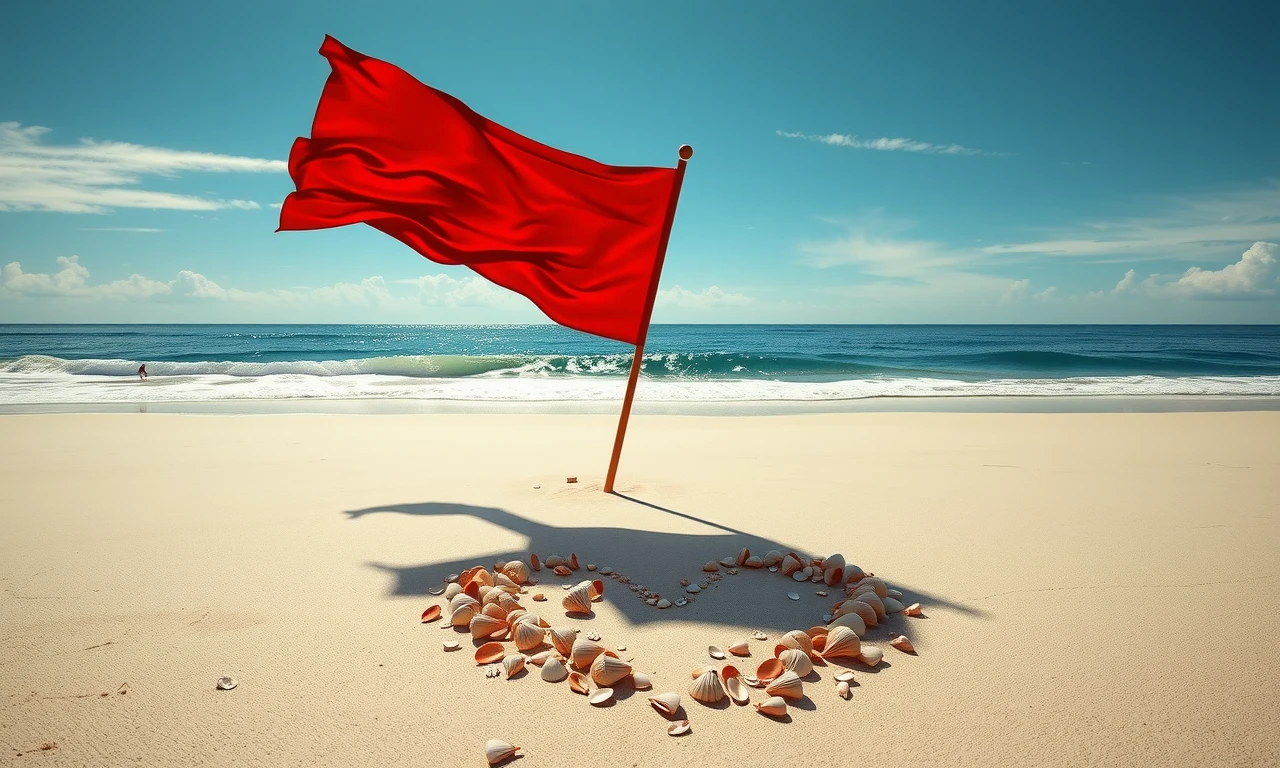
x=775, y=706
x=815, y=632
x=640, y=681
x=554, y=561
x=740, y=648
x=578, y=599
x=501, y=579
x=737, y=690
x=863, y=610
x=891, y=605
x=517, y=571
x=431, y=614
x=667, y=704
x=513, y=664
x=790, y=564
x=803, y=574
x=452, y=577
x=572, y=562
x=452, y=645
x=601, y=697
x=461, y=600
x=728, y=562
x=489, y=653
x=793, y=595
x=681, y=601
x=877, y=585
x=483, y=626
x=752, y=681
x=490, y=597
x=498, y=750
x=473, y=590
x=711, y=567
x=833, y=577
x=796, y=661
x=663, y=603
x=759, y=635
x=562, y=638
x=875, y=602
x=678, y=728
x=853, y=574
x=693, y=589
x=224, y=684
x=607, y=670
x=753, y=562
x=797, y=639
x=832, y=562
x=819, y=643
x=697, y=672
x=845, y=676
x=482, y=578
x=495, y=611
x=508, y=602
x=534, y=563
x=871, y=655
x=561, y=570
x=787, y=685
x=527, y=635
x=707, y=688
x=462, y=616
x=913, y=610
x=452, y=590
x=903, y=644
x=597, y=589
x=579, y=683
x=895, y=594
x=743, y=555
x=772, y=557
x=538, y=659
x=842, y=642
x=773, y=569
x=593, y=635
x=584, y=652
x=538, y=597
x=591, y=566
x=607, y=571
x=553, y=671
x=515, y=618
x=716, y=653
x=851, y=620
x=770, y=669
x=842, y=690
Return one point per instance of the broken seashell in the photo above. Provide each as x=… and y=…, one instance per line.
x=498, y=750
x=578, y=599
x=436, y=591
x=707, y=688
x=579, y=683
x=452, y=645
x=681, y=601
x=678, y=728
x=786, y=685
x=538, y=597
x=753, y=562
x=534, y=563
x=711, y=567
x=913, y=610
x=483, y=625
x=831, y=562
x=793, y=595
x=740, y=648
x=737, y=690
x=597, y=589
x=553, y=671
x=903, y=644
x=513, y=664
x=774, y=706
x=773, y=569
x=431, y=614
x=728, y=562
x=895, y=594
x=601, y=697
x=850, y=620
x=640, y=681
x=842, y=690
x=796, y=661
x=538, y=659
x=553, y=561
x=492, y=671
x=752, y=681
x=842, y=642
x=743, y=555
x=591, y=566
x=716, y=653
x=871, y=655
x=891, y=605
x=769, y=669
x=790, y=564
x=489, y=653
x=833, y=577
x=527, y=635
x=802, y=575
x=607, y=670
x=772, y=557
x=667, y=704
x=571, y=480
x=583, y=652
x=572, y=561
x=593, y=636
x=759, y=635
x=225, y=683
x=561, y=570
x=845, y=676
x=819, y=643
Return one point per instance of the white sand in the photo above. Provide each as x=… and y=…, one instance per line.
x=1101, y=589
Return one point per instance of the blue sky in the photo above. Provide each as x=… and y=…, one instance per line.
x=855, y=162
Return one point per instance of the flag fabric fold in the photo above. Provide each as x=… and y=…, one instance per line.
x=578, y=238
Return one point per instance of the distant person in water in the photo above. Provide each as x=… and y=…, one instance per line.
x=142, y=372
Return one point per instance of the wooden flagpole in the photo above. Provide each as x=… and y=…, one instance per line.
x=686, y=152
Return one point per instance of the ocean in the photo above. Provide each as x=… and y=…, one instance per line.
x=96, y=365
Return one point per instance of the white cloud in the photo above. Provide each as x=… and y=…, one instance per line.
x=72, y=281
x=97, y=176
x=1185, y=229
x=884, y=144
x=1047, y=294
x=675, y=296
x=1016, y=292
x=444, y=290
x=1248, y=277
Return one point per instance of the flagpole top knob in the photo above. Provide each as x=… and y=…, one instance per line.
x=686, y=152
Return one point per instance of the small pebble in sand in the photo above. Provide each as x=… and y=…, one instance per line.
x=793, y=596
x=593, y=636
x=226, y=683
x=759, y=635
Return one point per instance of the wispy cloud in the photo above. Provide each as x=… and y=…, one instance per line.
x=715, y=296
x=97, y=176
x=885, y=144
x=121, y=229
x=1183, y=229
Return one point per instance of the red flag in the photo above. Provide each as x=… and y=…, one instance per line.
x=578, y=238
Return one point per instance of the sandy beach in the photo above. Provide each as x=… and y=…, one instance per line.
x=1099, y=588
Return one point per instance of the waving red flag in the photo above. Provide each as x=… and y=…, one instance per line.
x=582, y=240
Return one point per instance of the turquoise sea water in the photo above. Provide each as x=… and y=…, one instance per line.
x=65, y=364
